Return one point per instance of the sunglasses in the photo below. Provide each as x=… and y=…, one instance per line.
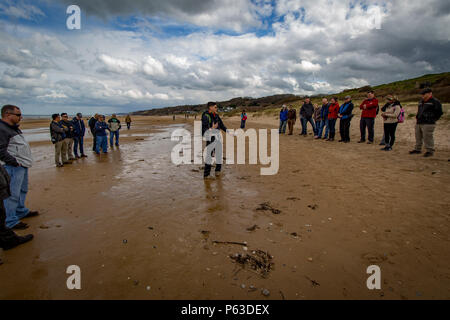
x=16, y=114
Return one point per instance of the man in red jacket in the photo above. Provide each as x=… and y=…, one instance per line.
x=369, y=109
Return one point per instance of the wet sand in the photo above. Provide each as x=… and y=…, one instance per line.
x=141, y=227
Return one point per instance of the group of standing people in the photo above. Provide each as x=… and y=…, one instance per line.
x=68, y=135
x=323, y=119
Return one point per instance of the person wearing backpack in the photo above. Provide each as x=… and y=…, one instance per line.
x=243, y=119
x=390, y=117
x=370, y=109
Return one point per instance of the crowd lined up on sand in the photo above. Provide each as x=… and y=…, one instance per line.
x=69, y=134
x=16, y=157
x=323, y=120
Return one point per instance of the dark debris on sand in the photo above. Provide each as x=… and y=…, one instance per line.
x=257, y=261
x=267, y=207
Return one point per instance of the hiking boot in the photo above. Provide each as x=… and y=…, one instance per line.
x=361, y=141
x=77, y=157
x=388, y=149
x=382, y=144
x=10, y=240
x=415, y=152
x=370, y=142
x=67, y=162
x=21, y=226
x=428, y=154
x=84, y=156
x=59, y=165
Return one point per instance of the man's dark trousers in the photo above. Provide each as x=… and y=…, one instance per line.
x=368, y=123
x=208, y=166
x=344, y=128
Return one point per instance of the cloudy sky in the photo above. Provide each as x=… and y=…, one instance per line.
x=134, y=55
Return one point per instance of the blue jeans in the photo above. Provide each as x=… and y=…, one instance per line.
x=111, y=137
x=327, y=129
x=323, y=125
x=102, y=142
x=282, y=126
x=305, y=125
x=318, y=125
x=15, y=204
x=78, y=141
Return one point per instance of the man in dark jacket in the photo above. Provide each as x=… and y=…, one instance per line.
x=100, y=132
x=324, y=123
x=58, y=134
x=67, y=124
x=15, y=154
x=92, y=121
x=345, y=114
x=430, y=111
x=79, y=130
x=8, y=239
x=306, y=114
x=210, y=121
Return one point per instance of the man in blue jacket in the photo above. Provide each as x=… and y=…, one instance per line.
x=324, y=123
x=283, y=119
x=345, y=114
x=78, y=136
x=100, y=132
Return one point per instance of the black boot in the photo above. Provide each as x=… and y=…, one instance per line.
x=9, y=240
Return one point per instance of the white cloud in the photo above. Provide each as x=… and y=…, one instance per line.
x=318, y=46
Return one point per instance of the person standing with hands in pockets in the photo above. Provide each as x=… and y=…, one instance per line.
x=369, y=109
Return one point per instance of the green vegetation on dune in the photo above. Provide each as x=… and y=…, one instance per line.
x=405, y=90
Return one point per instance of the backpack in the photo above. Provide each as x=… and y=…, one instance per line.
x=401, y=116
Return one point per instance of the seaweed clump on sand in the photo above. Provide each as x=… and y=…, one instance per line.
x=257, y=261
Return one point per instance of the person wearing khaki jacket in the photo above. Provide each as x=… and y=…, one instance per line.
x=58, y=134
x=292, y=118
x=390, y=118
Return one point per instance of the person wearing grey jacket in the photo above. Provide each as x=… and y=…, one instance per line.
x=15, y=155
